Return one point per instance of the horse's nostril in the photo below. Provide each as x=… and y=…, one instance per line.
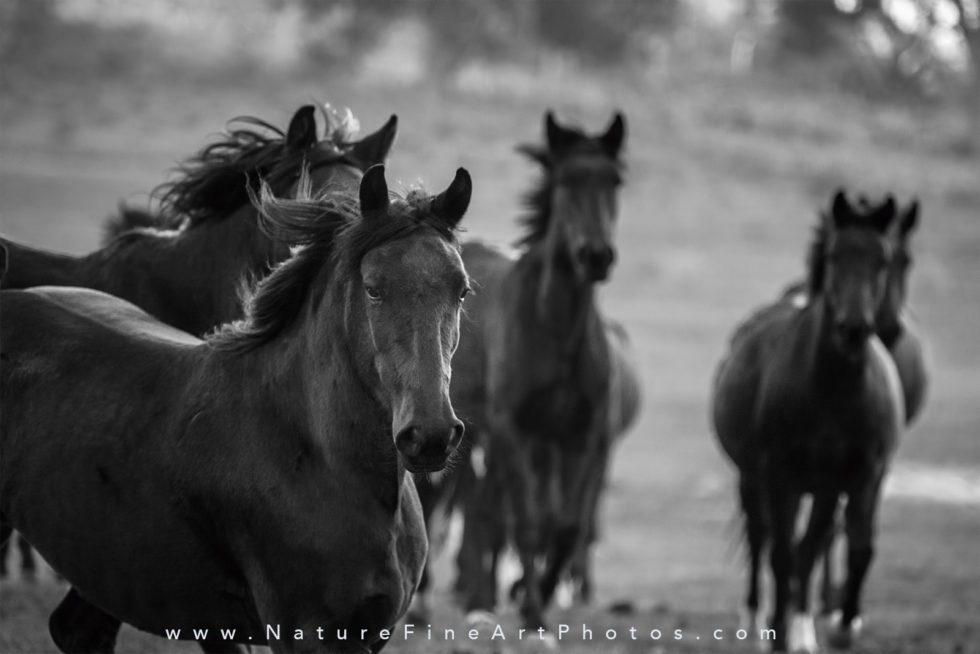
x=610, y=256
x=409, y=442
x=456, y=437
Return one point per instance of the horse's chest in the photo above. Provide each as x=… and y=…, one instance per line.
x=561, y=406
x=828, y=442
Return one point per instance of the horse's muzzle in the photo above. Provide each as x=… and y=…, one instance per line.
x=426, y=449
x=596, y=261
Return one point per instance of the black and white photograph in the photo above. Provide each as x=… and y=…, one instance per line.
x=489, y=326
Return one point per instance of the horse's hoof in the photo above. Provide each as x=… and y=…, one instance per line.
x=802, y=634
x=841, y=636
x=752, y=621
x=548, y=642
x=565, y=594
x=479, y=618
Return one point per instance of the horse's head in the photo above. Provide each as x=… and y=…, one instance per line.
x=578, y=213
x=858, y=252
x=334, y=161
x=889, y=316
x=411, y=288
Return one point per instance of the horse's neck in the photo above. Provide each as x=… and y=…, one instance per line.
x=551, y=300
x=27, y=266
x=187, y=278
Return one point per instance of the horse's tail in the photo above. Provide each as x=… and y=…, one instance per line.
x=129, y=218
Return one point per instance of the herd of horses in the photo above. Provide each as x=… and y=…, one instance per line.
x=248, y=406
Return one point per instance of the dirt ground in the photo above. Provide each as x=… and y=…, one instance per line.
x=724, y=181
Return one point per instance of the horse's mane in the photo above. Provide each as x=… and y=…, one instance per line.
x=328, y=233
x=223, y=175
x=537, y=201
x=816, y=257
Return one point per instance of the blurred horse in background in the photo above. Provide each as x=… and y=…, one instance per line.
x=259, y=477
x=899, y=332
x=541, y=378
x=186, y=265
x=808, y=401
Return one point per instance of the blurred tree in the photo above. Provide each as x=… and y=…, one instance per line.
x=969, y=24
x=597, y=32
x=813, y=27
x=24, y=23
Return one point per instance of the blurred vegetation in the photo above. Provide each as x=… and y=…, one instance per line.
x=892, y=50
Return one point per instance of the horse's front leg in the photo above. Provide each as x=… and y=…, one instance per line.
x=860, y=517
x=583, y=475
x=820, y=530
x=518, y=457
x=77, y=626
x=477, y=575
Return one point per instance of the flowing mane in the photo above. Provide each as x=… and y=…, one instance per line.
x=816, y=258
x=329, y=234
x=222, y=177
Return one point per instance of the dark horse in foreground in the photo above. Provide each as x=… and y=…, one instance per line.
x=258, y=477
x=186, y=266
x=808, y=401
x=543, y=381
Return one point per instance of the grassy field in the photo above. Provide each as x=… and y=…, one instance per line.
x=725, y=177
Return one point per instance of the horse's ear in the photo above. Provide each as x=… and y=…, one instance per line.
x=301, y=134
x=374, y=191
x=883, y=215
x=559, y=138
x=451, y=204
x=612, y=140
x=374, y=148
x=910, y=219
x=840, y=209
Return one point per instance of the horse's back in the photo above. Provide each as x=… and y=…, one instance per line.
x=625, y=390
x=77, y=310
x=908, y=351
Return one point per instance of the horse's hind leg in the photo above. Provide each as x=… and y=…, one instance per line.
x=860, y=518
x=76, y=626
x=820, y=530
x=756, y=532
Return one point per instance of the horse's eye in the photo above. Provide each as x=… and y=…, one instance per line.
x=373, y=293
x=466, y=291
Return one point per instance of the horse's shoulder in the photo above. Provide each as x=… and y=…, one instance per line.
x=82, y=305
